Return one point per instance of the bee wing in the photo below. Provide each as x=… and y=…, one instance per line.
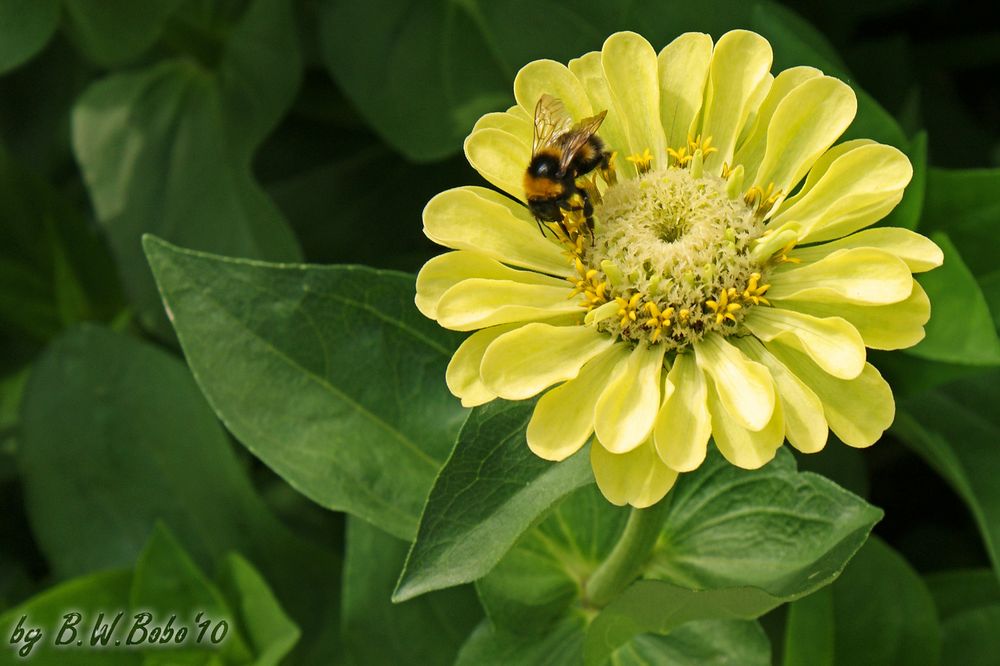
x=577, y=136
x=551, y=122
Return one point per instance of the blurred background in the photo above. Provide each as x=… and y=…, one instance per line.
x=290, y=130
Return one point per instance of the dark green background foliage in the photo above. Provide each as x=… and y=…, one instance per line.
x=276, y=445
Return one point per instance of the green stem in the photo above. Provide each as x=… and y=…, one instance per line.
x=625, y=562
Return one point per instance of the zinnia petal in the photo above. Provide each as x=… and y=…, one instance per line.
x=858, y=188
x=548, y=77
x=447, y=270
x=919, y=252
x=631, y=70
x=529, y=359
x=463, y=377
x=745, y=448
x=858, y=410
x=740, y=62
x=473, y=218
x=563, y=419
x=625, y=412
x=590, y=71
x=857, y=275
x=500, y=158
x=683, y=424
x=744, y=387
x=479, y=303
x=831, y=342
x=805, y=425
x=683, y=67
x=637, y=477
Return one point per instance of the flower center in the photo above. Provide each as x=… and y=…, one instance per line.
x=670, y=258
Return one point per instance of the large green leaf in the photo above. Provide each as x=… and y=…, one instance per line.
x=878, y=613
x=113, y=32
x=428, y=630
x=25, y=28
x=541, y=578
x=489, y=492
x=960, y=590
x=427, y=70
x=721, y=642
x=964, y=204
x=972, y=638
x=736, y=544
x=956, y=429
x=327, y=374
x=961, y=328
x=135, y=443
x=167, y=149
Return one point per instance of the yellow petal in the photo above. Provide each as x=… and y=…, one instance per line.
x=683, y=67
x=474, y=218
x=859, y=275
x=858, y=188
x=478, y=303
x=510, y=122
x=683, y=424
x=626, y=410
x=831, y=342
x=807, y=122
x=638, y=477
x=744, y=448
x=462, y=376
x=523, y=362
x=919, y=252
x=894, y=326
x=590, y=71
x=805, y=423
x=563, y=419
x=751, y=151
x=741, y=60
x=499, y=157
x=541, y=77
x=822, y=165
x=858, y=410
x=446, y=270
x=744, y=386
x=630, y=68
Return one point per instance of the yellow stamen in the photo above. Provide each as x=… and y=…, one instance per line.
x=643, y=162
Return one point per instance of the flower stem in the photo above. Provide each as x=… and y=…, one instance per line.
x=624, y=564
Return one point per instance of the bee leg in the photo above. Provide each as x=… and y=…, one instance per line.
x=606, y=167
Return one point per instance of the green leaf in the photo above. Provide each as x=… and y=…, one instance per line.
x=877, y=612
x=327, y=374
x=54, y=269
x=955, y=428
x=167, y=582
x=784, y=531
x=271, y=632
x=135, y=443
x=962, y=589
x=167, y=150
x=695, y=643
x=106, y=592
x=25, y=28
x=114, y=32
x=489, y=492
x=425, y=71
x=970, y=638
x=964, y=204
x=428, y=630
x=736, y=544
x=540, y=579
x=961, y=328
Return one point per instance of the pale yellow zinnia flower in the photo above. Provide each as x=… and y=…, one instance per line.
x=725, y=290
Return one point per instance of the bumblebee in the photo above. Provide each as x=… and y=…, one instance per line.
x=560, y=153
